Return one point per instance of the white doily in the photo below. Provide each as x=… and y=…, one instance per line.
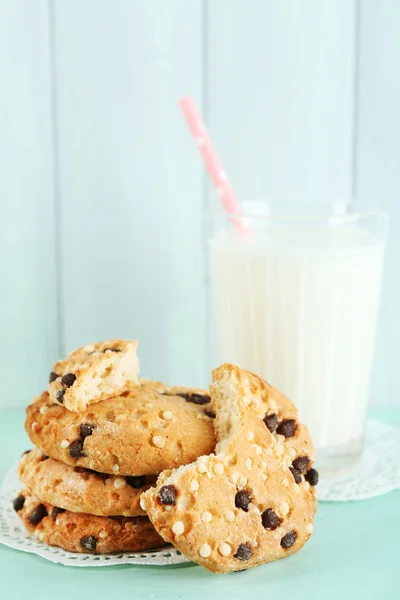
x=14, y=535
x=377, y=473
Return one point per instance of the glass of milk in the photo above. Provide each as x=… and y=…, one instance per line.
x=296, y=300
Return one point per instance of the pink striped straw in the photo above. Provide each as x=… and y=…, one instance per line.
x=212, y=160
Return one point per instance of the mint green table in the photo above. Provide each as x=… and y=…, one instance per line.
x=353, y=553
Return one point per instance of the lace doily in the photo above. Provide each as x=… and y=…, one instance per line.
x=377, y=473
x=14, y=535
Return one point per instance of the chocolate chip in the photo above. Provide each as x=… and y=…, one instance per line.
x=89, y=542
x=296, y=474
x=289, y=539
x=271, y=422
x=270, y=520
x=19, y=502
x=312, y=476
x=86, y=429
x=39, y=513
x=243, y=500
x=210, y=413
x=167, y=494
x=60, y=395
x=53, y=376
x=112, y=349
x=199, y=399
x=101, y=475
x=181, y=394
x=26, y=452
x=56, y=511
x=68, y=379
x=244, y=552
x=301, y=463
x=136, y=482
x=44, y=457
x=287, y=427
x=76, y=449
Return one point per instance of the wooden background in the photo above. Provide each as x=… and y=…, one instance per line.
x=104, y=197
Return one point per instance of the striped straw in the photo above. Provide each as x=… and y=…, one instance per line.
x=212, y=160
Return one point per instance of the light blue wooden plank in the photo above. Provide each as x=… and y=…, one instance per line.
x=280, y=95
x=131, y=180
x=28, y=322
x=378, y=174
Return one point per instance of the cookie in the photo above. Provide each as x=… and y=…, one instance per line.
x=93, y=373
x=143, y=431
x=80, y=532
x=254, y=500
x=81, y=490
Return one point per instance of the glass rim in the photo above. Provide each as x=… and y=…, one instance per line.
x=347, y=217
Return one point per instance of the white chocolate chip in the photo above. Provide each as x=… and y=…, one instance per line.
x=234, y=477
x=285, y=482
x=264, y=477
x=309, y=527
x=218, y=468
x=272, y=405
x=43, y=409
x=263, y=464
x=119, y=483
x=284, y=508
x=248, y=463
x=183, y=502
x=250, y=436
x=229, y=516
x=257, y=449
x=280, y=438
x=35, y=426
x=168, y=507
x=206, y=517
x=205, y=550
x=268, y=451
x=201, y=467
x=246, y=400
x=116, y=467
x=148, y=405
x=64, y=443
x=224, y=549
x=142, y=504
x=194, y=484
x=306, y=485
x=279, y=449
x=178, y=528
x=103, y=534
x=292, y=452
x=158, y=441
x=242, y=480
x=167, y=415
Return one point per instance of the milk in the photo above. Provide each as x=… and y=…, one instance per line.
x=299, y=306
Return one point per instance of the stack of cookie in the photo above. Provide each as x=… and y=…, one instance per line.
x=102, y=436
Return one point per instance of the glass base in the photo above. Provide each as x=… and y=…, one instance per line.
x=336, y=460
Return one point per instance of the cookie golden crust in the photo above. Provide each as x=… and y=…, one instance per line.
x=93, y=373
x=144, y=431
x=80, y=532
x=251, y=502
x=80, y=490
